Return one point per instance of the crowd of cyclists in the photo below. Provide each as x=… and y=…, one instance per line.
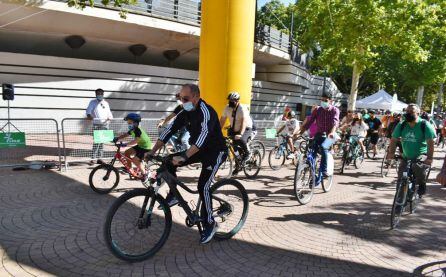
x=195, y=125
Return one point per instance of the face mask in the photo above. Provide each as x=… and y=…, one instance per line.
x=410, y=117
x=188, y=106
x=130, y=126
x=100, y=97
x=324, y=104
x=231, y=104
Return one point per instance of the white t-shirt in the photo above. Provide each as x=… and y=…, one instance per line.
x=292, y=126
x=359, y=130
x=99, y=110
x=242, y=112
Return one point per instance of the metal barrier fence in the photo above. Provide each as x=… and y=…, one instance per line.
x=78, y=138
x=27, y=141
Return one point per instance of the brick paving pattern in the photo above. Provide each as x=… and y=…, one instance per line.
x=51, y=225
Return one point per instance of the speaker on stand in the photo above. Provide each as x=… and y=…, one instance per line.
x=8, y=95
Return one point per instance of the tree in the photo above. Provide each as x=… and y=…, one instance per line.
x=119, y=4
x=353, y=32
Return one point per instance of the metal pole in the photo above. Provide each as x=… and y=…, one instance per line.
x=323, y=89
x=9, y=116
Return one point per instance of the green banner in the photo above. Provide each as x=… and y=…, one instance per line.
x=103, y=136
x=12, y=140
x=270, y=133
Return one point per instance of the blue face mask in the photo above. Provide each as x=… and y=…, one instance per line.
x=188, y=106
x=130, y=126
x=100, y=97
x=324, y=104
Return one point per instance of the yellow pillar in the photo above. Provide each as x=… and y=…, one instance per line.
x=226, y=50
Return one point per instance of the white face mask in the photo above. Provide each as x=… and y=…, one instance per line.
x=188, y=106
x=324, y=104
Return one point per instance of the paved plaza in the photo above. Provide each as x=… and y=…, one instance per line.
x=51, y=224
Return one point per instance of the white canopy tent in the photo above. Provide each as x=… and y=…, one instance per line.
x=381, y=100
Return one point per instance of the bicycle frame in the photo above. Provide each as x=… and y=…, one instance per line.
x=126, y=162
x=311, y=159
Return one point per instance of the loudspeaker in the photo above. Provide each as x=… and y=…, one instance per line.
x=8, y=92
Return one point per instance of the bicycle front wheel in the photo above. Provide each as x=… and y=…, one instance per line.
x=225, y=169
x=304, y=183
x=103, y=178
x=135, y=229
x=253, y=165
x=257, y=144
x=276, y=158
x=399, y=203
x=230, y=207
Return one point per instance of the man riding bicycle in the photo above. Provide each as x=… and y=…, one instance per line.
x=373, y=132
x=292, y=128
x=141, y=142
x=240, y=129
x=327, y=120
x=208, y=147
x=417, y=139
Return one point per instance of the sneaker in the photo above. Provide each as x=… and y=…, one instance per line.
x=99, y=161
x=208, y=232
x=291, y=156
x=145, y=178
x=171, y=201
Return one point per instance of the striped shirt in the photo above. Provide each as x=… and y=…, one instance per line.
x=325, y=119
x=203, y=125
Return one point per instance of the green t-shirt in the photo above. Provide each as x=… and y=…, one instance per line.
x=413, y=140
x=144, y=139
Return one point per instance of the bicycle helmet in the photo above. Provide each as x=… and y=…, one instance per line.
x=291, y=113
x=133, y=117
x=235, y=96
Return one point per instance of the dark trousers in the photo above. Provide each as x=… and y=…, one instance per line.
x=210, y=162
x=419, y=171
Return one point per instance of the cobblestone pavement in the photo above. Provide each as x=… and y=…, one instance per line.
x=51, y=224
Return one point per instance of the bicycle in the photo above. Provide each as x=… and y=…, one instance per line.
x=386, y=166
x=381, y=145
x=280, y=153
x=406, y=193
x=103, y=172
x=251, y=167
x=352, y=152
x=135, y=229
x=257, y=144
x=305, y=176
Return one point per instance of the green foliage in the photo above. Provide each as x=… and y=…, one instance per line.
x=118, y=4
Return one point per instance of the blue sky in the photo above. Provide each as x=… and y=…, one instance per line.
x=286, y=2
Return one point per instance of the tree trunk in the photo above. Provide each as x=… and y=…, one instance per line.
x=420, y=93
x=354, y=89
x=440, y=98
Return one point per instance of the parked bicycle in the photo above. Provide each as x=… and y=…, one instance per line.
x=280, y=153
x=307, y=175
x=406, y=194
x=352, y=153
x=135, y=229
x=105, y=177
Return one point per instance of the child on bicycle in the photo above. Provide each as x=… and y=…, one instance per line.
x=292, y=127
x=141, y=142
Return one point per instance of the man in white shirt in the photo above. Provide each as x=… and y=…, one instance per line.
x=241, y=122
x=99, y=112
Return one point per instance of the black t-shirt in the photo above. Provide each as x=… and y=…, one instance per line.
x=178, y=109
x=374, y=124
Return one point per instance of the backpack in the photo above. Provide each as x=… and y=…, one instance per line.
x=423, y=127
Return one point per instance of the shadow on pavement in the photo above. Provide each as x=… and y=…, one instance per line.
x=52, y=224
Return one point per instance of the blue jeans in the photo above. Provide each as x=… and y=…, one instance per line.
x=319, y=139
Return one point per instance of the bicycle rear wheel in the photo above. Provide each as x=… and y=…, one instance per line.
x=135, y=229
x=230, y=205
x=399, y=203
x=276, y=158
x=304, y=183
x=103, y=178
x=253, y=165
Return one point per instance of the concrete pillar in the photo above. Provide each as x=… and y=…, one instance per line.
x=226, y=50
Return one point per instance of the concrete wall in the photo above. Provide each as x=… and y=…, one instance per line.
x=55, y=87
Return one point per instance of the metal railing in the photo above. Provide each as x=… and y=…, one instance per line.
x=78, y=143
x=39, y=143
x=189, y=12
